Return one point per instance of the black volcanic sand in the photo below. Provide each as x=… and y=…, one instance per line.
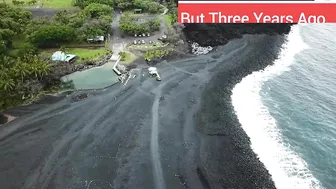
x=174, y=134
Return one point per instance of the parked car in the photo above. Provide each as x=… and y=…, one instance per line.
x=143, y=35
x=139, y=42
x=135, y=42
x=148, y=34
x=160, y=38
x=164, y=37
x=135, y=35
x=150, y=42
x=143, y=42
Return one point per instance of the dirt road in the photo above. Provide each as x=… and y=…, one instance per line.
x=140, y=136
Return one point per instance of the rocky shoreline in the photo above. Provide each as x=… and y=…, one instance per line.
x=234, y=165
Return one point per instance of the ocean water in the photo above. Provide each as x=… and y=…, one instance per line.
x=293, y=102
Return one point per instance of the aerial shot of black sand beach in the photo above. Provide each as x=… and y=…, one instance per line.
x=179, y=131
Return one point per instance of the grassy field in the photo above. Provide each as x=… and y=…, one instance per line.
x=82, y=53
x=87, y=54
x=168, y=20
x=129, y=58
x=47, y=3
x=57, y=3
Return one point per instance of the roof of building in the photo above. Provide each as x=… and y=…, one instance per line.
x=61, y=56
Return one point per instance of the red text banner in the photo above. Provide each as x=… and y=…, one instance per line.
x=256, y=12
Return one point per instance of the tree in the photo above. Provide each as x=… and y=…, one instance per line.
x=83, y=3
x=32, y=2
x=95, y=10
x=21, y=70
x=62, y=49
x=53, y=35
x=174, y=34
x=7, y=84
x=62, y=17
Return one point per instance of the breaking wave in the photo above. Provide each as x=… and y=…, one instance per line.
x=287, y=168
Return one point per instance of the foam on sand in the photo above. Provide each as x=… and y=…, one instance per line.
x=287, y=168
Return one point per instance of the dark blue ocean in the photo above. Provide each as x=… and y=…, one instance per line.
x=294, y=102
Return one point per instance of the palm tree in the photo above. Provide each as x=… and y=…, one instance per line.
x=21, y=70
x=7, y=85
x=44, y=70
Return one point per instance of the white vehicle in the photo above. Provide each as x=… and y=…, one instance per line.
x=135, y=35
x=153, y=73
x=148, y=34
x=135, y=42
x=143, y=42
x=164, y=37
x=144, y=35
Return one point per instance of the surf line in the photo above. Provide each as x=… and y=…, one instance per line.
x=266, y=139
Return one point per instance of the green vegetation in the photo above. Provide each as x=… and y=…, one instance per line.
x=83, y=54
x=172, y=12
x=22, y=3
x=24, y=71
x=130, y=25
x=87, y=54
x=57, y=4
x=168, y=20
x=127, y=57
x=157, y=54
x=83, y=3
x=149, y=6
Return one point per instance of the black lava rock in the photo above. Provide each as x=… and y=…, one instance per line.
x=3, y=119
x=79, y=97
x=219, y=34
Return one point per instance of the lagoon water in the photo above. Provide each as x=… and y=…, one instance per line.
x=94, y=78
x=294, y=104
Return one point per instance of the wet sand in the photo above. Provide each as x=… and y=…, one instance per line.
x=177, y=133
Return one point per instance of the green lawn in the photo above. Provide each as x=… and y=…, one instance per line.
x=168, y=20
x=129, y=58
x=47, y=3
x=87, y=54
x=82, y=53
x=57, y=3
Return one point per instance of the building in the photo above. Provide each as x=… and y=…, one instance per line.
x=137, y=11
x=97, y=39
x=63, y=57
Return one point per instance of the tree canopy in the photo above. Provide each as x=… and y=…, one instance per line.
x=23, y=71
x=130, y=26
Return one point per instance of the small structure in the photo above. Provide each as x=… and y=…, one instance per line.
x=97, y=39
x=137, y=11
x=63, y=57
x=153, y=73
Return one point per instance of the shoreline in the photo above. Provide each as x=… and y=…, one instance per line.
x=225, y=131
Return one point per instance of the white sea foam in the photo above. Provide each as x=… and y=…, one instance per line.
x=287, y=168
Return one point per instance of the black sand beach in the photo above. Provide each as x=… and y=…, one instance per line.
x=177, y=133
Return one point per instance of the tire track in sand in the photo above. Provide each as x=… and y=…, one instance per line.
x=158, y=175
x=156, y=159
